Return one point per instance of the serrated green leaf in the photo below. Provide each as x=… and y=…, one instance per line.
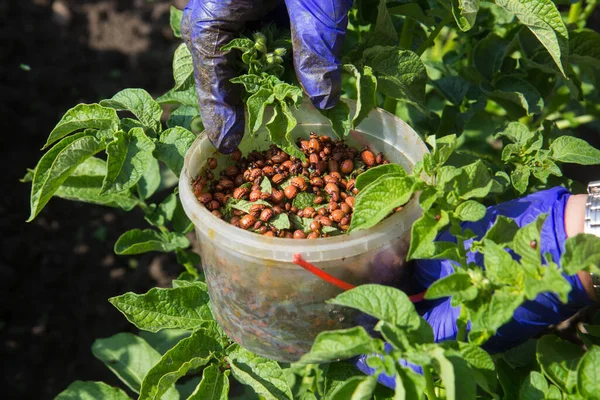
x=582, y=252
x=379, y=198
x=137, y=241
x=80, y=390
x=545, y=22
x=264, y=376
x=280, y=221
x=183, y=66
x=465, y=13
x=183, y=117
x=243, y=44
x=130, y=358
x=129, y=157
x=150, y=180
x=339, y=344
x=283, y=91
x=487, y=319
x=252, y=83
x=175, y=17
x=500, y=267
x=139, y=103
x=570, y=149
x=57, y=164
x=470, y=210
x=83, y=116
x=558, y=359
x=184, y=307
x=172, y=146
x=213, y=386
x=400, y=73
x=189, y=354
x=528, y=234
x=519, y=178
x=303, y=200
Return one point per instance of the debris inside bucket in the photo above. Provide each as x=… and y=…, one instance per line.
x=272, y=194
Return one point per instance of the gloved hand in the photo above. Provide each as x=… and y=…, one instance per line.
x=318, y=30
x=533, y=316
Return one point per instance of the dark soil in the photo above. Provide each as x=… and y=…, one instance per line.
x=57, y=272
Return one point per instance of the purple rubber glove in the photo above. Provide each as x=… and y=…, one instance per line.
x=533, y=316
x=318, y=30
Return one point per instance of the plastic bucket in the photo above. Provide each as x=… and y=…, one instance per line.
x=260, y=298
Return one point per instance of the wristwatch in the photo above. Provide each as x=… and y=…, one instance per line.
x=592, y=223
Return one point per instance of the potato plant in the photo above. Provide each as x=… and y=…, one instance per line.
x=496, y=88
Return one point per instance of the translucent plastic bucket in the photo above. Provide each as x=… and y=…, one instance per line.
x=259, y=297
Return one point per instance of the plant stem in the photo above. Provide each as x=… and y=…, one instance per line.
x=589, y=9
x=575, y=122
x=430, y=389
x=574, y=12
x=190, y=269
x=431, y=38
x=406, y=35
x=461, y=322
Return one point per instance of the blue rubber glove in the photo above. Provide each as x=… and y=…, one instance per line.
x=533, y=316
x=318, y=30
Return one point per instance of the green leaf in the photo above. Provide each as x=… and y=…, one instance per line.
x=83, y=116
x=280, y=126
x=534, y=387
x=163, y=340
x=488, y=318
x=339, y=344
x=366, y=88
x=584, y=47
x=139, y=103
x=185, y=96
x=213, y=386
x=387, y=304
x=80, y=390
x=256, y=108
x=423, y=233
x=185, y=307
x=303, y=200
x=163, y=214
x=400, y=73
x=581, y=252
x=183, y=67
x=150, y=180
x=500, y=267
x=476, y=182
x=570, y=149
x=465, y=13
x=383, y=32
x=244, y=205
x=558, y=359
x=470, y=210
x=340, y=119
x=280, y=221
x=449, y=285
x=252, y=83
x=57, y=164
x=264, y=376
x=137, y=241
x=519, y=178
x=183, y=117
x=129, y=357
x=175, y=17
x=357, y=387
x=172, y=146
x=129, y=157
x=545, y=22
x=372, y=174
x=511, y=92
x=454, y=88
x=588, y=372
x=482, y=365
x=189, y=354
x=85, y=183
x=283, y=91
x=523, y=239
x=243, y=44
x=489, y=54
x=378, y=199
x=181, y=222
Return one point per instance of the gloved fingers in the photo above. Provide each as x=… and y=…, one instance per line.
x=206, y=27
x=318, y=32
